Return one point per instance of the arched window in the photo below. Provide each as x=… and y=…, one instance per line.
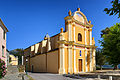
x=79, y=37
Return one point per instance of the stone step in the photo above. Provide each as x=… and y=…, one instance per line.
x=12, y=69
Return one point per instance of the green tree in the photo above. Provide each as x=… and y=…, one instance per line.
x=115, y=8
x=100, y=58
x=111, y=45
x=105, y=31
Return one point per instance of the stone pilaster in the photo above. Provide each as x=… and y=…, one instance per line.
x=62, y=55
x=90, y=49
x=70, y=68
x=75, y=60
x=85, y=37
x=86, y=68
x=91, y=60
x=74, y=48
x=74, y=31
x=90, y=36
x=69, y=25
x=94, y=61
x=69, y=30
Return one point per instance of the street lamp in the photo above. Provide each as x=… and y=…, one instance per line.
x=26, y=65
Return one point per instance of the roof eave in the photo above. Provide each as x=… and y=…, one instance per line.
x=4, y=25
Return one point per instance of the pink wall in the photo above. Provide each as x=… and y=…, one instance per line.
x=2, y=43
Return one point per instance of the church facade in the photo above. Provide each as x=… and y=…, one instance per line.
x=70, y=51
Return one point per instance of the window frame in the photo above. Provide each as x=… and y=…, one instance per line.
x=4, y=35
x=3, y=51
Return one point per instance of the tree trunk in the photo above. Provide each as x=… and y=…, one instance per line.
x=117, y=67
x=100, y=67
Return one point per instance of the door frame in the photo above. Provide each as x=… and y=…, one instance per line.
x=81, y=66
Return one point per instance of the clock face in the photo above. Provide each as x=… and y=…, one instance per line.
x=79, y=17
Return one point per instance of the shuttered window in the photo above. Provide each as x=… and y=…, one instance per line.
x=3, y=50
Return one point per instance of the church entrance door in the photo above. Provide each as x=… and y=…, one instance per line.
x=80, y=65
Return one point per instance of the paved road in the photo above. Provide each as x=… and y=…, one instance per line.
x=48, y=76
x=12, y=73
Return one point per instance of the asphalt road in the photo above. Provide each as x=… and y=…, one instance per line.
x=48, y=76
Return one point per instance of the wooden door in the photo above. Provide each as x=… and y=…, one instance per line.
x=80, y=65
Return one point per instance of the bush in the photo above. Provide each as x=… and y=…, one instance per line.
x=21, y=68
x=2, y=68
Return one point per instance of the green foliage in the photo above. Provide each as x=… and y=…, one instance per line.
x=19, y=53
x=21, y=68
x=111, y=45
x=2, y=68
x=115, y=8
x=106, y=31
x=100, y=58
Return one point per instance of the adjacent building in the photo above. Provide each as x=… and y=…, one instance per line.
x=70, y=51
x=7, y=60
x=13, y=60
x=3, y=31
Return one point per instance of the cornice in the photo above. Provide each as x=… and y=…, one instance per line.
x=87, y=25
x=90, y=29
x=76, y=44
x=73, y=20
x=68, y=17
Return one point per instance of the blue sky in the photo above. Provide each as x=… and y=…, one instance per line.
x=29, y=20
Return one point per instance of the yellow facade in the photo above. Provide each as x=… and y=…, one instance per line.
x=13, y=60
x=70, y=51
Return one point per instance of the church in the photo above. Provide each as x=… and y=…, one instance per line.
x=70, y=51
